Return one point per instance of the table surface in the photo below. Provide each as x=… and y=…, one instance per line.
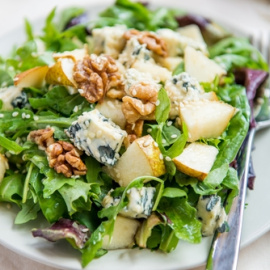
x=256, y=15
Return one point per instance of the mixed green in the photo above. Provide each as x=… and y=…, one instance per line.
x=74, y=205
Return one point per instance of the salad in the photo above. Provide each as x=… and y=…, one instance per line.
x=123, y=131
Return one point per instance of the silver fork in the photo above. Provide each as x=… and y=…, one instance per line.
x=224, y=251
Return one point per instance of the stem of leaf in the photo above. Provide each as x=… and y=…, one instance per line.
x=26, y=183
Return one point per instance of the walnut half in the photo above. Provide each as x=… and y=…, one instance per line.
x=142, y=104
x=95, y=75
x=62, y=156
x=152, y=41
x=65, y=159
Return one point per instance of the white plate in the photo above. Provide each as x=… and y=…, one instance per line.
x=256, y=219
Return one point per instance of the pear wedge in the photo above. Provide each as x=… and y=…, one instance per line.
x=141, y=158
x=200, y=66
x=61, y=72
x=34, y=77
x=75, y=55
x=205, y=118
x=123, y=234
x=3, y=166
x=196, y=160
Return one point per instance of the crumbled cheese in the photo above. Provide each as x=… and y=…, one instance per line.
x=176, y=43
x=8, y=94
x=109, y=40
x=134, y=51
x=182, y=87
x=107, y=141
x=140, y=202
x=211, y=213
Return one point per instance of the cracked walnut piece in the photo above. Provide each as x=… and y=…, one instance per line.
x=65, y=159
x=62, y=156
x=95, y=75
x=152, y=41
x=142, y=104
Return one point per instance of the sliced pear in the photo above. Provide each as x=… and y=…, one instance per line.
x=191, y=31
x=169, y=62
x=34, y=77
x=141, y=158
x=196, y=160
x=200, y=66
x=3, y=166
x=61, y=72
x=123, y=234
x=112, y=108
x=145, y=230
x=75, y=55
x=158, y=73
x=205, y=118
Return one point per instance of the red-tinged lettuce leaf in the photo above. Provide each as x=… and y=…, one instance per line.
x=189, y=19
x=252, y=79
x=68, y=229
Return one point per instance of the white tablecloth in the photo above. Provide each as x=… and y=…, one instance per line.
x=251, y=14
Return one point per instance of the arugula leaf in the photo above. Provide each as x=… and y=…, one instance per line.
x=163, y=108
x=28, y=212
x=172, y=192
x=72, y=193
x=10, y=145
x=183, y=218
x=11, y=189
x=59, y=100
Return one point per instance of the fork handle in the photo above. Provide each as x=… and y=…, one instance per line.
x=224, y=250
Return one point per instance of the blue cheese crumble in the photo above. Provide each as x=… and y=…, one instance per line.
x=211, y=213
x=134, y=51
x=97, y=136
x=182, y=87
x=140, y=202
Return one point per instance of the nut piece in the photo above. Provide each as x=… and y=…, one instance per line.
x=95, y=75
x=42, y=137
x=142, y=103
x=62, y=156
x=134, y=131
x=152, y=41
x=65, y=159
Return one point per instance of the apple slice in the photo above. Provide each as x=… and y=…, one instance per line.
x=3, y=166
x=200, y=66
x=205, y=118
x=123, y=234
x=61, y=72
x=141, y=158
x=196, y=160
x=33, y=77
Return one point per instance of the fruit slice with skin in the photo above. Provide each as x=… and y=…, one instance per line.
x=75, y=55
x=3, y=166
x=205, y=118
x=34, y=77
x=196, y=160
x=200, y=66
x=61, y=72
x=141, y=158
x=123, y=234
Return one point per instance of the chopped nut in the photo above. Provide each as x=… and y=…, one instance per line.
x=65, y=159
x=42, y=137
x=129, y=140
x=134, y=131
x=95, y=75
x=152, y=41
x=62, y=156
x=136, y=128
x=142, y=104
